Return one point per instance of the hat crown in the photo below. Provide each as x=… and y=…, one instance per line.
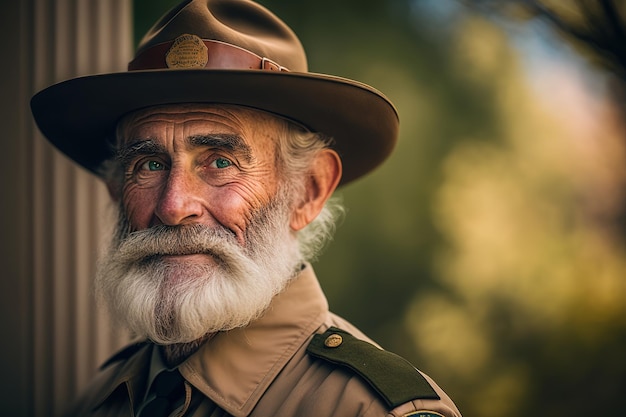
x=242, y=23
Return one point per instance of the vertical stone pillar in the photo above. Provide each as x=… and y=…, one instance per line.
x=54, y=216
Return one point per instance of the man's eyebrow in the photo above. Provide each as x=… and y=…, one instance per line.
x=127, y=153
x=231, y=143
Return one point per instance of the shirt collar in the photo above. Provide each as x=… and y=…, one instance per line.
x=131, y=373
x=235, y=368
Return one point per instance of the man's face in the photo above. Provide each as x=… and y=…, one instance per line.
x=197, y=165
x=204, y=241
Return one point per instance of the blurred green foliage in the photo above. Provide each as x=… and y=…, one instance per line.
x=485, y=249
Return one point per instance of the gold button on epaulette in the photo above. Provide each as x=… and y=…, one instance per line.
x=333, y=340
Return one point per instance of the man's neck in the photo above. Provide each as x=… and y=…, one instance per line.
x=175, y=354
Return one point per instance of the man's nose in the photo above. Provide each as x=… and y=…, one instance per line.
x=180, y=201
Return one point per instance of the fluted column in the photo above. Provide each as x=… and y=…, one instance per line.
x=55, y=215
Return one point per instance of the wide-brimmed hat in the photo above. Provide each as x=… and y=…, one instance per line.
x=226, y=52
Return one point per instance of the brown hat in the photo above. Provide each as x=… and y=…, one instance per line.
x=226, y=52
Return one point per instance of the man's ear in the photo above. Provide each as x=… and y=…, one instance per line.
x=320, y=184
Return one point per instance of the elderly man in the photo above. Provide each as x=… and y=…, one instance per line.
x=222, y=152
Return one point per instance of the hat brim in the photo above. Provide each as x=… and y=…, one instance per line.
x=79, y=115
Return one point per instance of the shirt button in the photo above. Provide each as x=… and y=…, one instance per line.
x=333, y=341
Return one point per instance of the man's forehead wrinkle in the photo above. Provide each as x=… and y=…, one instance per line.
x=198, y=112
x=229, y=128
x=230, y=116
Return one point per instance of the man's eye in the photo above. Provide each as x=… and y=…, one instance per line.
x=222, y=163
x=152, y=165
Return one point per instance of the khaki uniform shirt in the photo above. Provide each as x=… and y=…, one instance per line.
x=262, y=370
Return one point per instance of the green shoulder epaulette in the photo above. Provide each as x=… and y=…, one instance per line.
x=393, y=377
x=124, y=353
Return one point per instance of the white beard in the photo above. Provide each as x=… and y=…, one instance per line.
x=180, y=302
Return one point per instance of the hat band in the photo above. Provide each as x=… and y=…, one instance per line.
x=191, y=52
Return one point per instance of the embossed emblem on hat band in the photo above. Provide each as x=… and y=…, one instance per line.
x=187, y=51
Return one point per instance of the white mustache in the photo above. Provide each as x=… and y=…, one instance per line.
x=148, y=244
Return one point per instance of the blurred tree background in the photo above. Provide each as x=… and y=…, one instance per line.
x=489, y=249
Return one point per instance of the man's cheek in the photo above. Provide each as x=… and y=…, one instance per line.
x=139, y=204
x=233, y=208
